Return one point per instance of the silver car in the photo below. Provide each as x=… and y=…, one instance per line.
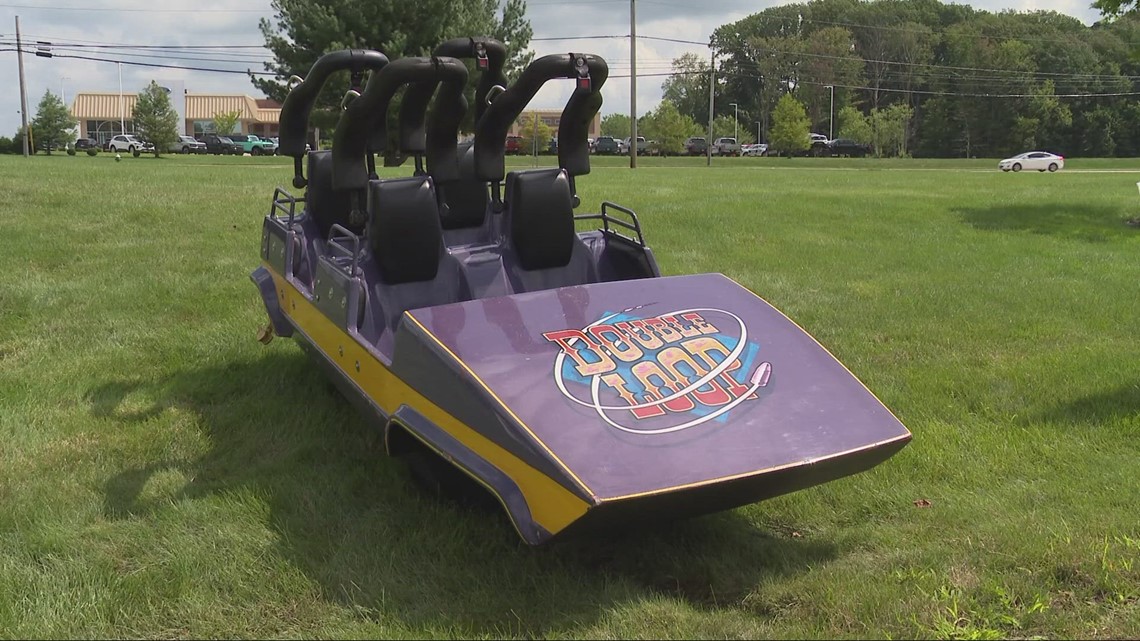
x=187, y=145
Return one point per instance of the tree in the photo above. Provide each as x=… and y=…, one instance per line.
x=775, y=61
x=828, y=54
x=670, y=128
x=1115, y=8
x=226, y=121
x=727, y=127
x=155, y=119
x=790, y=126
x=53, y=123
x=688, y=87
x=616, y=125
x=854, y=125
x=303, y=30
x=535, y=134
x=889, y=127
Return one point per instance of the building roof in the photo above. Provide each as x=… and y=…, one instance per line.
x=106, y=105
x=103, y=106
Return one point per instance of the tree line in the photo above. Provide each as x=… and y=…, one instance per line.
x=924, y=78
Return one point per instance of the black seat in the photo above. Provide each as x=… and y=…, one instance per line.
x=464, y=204
x=543, y=250
x=325, y=205
x=406, y=240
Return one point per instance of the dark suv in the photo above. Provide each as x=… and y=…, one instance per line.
x=847, y=147
x=86, y=143
x=216, y=144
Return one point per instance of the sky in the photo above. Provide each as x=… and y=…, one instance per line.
x=234, y=23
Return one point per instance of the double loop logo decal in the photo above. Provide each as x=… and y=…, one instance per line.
x=661, y=374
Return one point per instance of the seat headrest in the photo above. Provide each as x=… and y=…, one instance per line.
x=541, y=212
x=326, y=205
x=466, y=198
x=404, y=229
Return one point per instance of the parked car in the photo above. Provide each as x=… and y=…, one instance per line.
x=696, y=146
x=819, y=146
x=129, y=143
x=1039, y=160
x=254, y=146
x=221, y=145
x=847, y=147
x=757, y=149
x=187, y=145
x=513, y=145
x=606, y=145
x=86, y=143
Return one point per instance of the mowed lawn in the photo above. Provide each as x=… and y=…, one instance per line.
x=163, y=474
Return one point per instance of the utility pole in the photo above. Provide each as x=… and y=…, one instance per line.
x=633, y=84
x=712, y=85
x=27, y=143
x=122, y=113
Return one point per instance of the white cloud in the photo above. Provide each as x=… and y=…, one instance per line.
x=230, y=22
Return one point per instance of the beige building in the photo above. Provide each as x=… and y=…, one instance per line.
x=100, y=114
x=551, y=117
x=103, y=115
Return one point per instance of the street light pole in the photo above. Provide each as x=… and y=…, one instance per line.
x=831, y=115
x=735, y=122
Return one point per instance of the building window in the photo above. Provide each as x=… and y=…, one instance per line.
x=202, y=127
x=104, y=130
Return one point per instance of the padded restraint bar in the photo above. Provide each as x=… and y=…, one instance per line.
x=299, y=103
x=589, y=73
x=490, y=56
x=364, y=118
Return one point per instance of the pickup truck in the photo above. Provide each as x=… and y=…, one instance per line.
x=726, y=147
x=642, y=146
x=696, y=146
x=254, y=146
x=606, y=145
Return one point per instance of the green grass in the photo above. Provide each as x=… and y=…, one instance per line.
x=162, y=474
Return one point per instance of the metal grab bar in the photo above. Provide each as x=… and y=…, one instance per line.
x=607, y=220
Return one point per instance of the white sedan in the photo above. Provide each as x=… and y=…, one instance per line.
x=1039, y=160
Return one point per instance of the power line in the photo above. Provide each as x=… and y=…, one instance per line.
x=906, y=91
x=55, y=49
x=105, y=9
x=164, y=66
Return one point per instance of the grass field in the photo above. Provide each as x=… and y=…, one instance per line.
x=163, y=474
